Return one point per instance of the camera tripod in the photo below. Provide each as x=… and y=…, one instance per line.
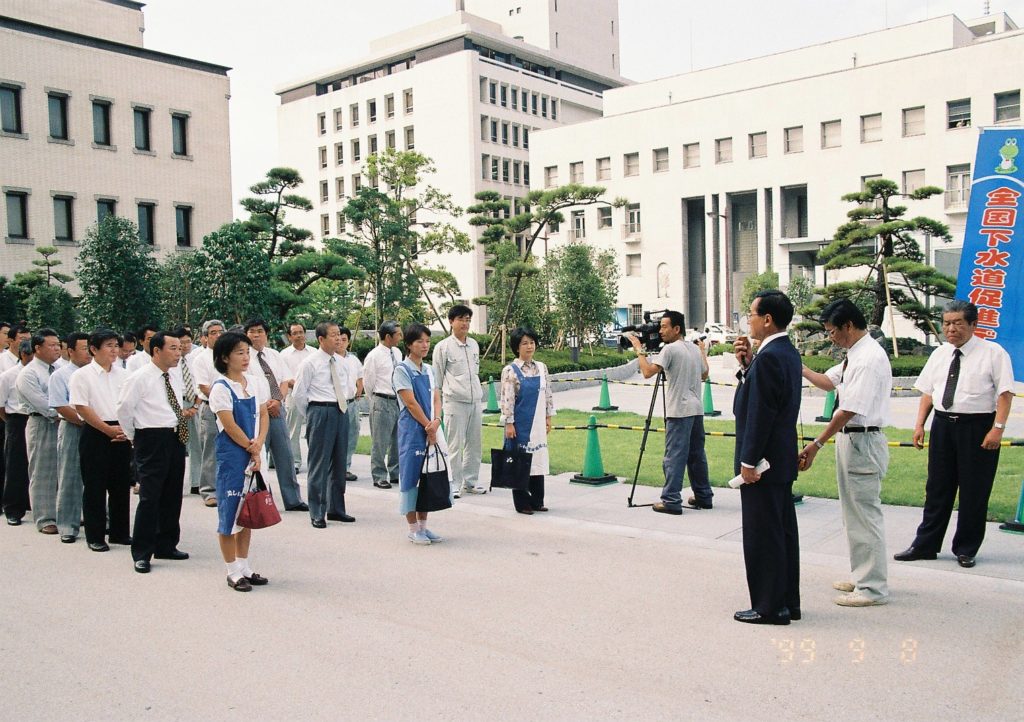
x=659, y=383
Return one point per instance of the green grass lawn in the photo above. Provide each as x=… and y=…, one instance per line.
x=904, y=485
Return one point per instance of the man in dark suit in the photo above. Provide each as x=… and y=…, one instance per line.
x=766, y=406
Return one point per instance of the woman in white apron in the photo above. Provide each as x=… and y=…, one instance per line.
x=526, y=410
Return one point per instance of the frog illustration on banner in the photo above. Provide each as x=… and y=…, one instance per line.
x=1008, y=153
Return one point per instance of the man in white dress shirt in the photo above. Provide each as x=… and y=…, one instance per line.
x=267, y=362
x=863, y=385
x=149, y=410
x=41, y=432
x=293, y=356
x=13, y=337
x=355, y=395
x=141, y=356
x=187, y=376
x=205, y=375
x=15, y=452
x=320, y=391
x=104, y=450
x=378, y=367
x=5, y=343
x=969, y=383
x=69, y=432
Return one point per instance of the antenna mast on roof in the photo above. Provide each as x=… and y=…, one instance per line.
x=988, y=7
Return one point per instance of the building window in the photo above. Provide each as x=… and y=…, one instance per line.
x=63, y=219
x=10, y=110
x=551, y=176
x=517, y=172
x=321, y=123
x=146, y=213
x=353, y=115
x=57, y=104
x=793, y=139
x=871, y=128
x=338, y=118
x=356, y=154
x=410, y=138
x=515, y=136
x=576, y=172
x=407, y=100
x=357, y=182
x=504, y=96
x=339, y=153
x=831, y=134
x=526, y=137
x=101, y=122
x=494, y=168
x=17, y=213
x=183, y=225
x=504, y=133
x=958, y=185
x=179, y=134
x=515, y=98
x=494, y=131
x=723, y=150
x=579, y=225
x=958, y=113
x=1007, y=106
x=758, y=145
x=324, y=192
x=633, y=219
x=492, y=93
x=142, y=134
x=913, y=121
x=371, y=111
x=389, y=106
x=636, y=310
x=526, y=174
x=691, y=155
x=341, y=222
x=912, y=180
x=325, y=225
x=631, y=164
x=371, y=143
x=389, y=139
x=604, y=217
x=660, y=160
x=604, y=168
x=322, y=156
x=339, y=187
x=554, y=109
x=533, y=103
x=505, y=170
x=544, y=106
x=105, y=207
x=633, y=269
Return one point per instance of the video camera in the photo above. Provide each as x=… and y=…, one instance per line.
x=649, y=332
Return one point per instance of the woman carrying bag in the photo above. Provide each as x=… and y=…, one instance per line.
x=526, y=410
x=421, y=442
x=240, y=403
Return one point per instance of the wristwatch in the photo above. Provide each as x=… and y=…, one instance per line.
x=997, y=425
x=819, y=444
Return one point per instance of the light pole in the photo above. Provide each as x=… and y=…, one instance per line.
x=727, y=320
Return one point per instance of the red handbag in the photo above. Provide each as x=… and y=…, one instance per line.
x=258, y=508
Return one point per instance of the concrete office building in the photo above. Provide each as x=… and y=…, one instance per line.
x=95, y=123
x=468, y=90
x=736, y=169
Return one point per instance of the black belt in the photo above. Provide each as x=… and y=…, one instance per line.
x=351, y=400
x=858, y=429
x=953, y=418
x=324, y=403
x=385, y=396
x=33, y=413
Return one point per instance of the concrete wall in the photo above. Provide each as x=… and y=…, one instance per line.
x=117, y=21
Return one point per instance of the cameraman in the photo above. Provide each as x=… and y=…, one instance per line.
x=685, y=366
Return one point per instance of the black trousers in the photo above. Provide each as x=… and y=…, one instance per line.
x=106, y=475
x=160, y=458
x=957, y=461
x=3, y=461
x=16, y=501
x=531, y=498
x=771, y=547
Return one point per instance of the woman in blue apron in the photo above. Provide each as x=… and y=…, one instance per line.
x=238, y=400
x=419, y=427
x=526, y=410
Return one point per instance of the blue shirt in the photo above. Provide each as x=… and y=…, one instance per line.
x=60, y=385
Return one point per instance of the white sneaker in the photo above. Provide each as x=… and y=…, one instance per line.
x=844, y=586
x=474, y=489
x=434, y=538
x=859, y=599
x=456, y=493
x=418, y=537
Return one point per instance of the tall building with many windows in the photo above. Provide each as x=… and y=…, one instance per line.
x=737, y=169
x=92, y=123
x=465, y=90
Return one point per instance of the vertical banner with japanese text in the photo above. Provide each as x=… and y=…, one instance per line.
x=992, y=262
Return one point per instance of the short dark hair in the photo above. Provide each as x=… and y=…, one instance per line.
x=127, y=337
x=323, y=327
x=841, y=312
x=147, y=327
x=74, y=337
x=25, y=348
x=519, y=334
x=388, y=328
x=254, y=322
x=345, y=332
x=13, y=331
x=296, y=323
x=968, y=309
x=414, y=332
x=676, y=319
x=777, y=305
x=182, y=332
x=40, y=336
x=101, y=335
x=458, y=311
x=4, y=324
x=225, y=346
x=158, y=340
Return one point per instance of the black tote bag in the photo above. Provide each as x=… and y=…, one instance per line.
x=510, y=467
x=433, y=492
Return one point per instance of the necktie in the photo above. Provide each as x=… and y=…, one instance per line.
x=842, y=375
x=190, y=387
x=336, y=381
x=954, y=376
x=275, y=390
x=172, y=398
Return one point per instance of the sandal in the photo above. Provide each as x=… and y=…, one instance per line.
x=242, y=585
x=256, y=580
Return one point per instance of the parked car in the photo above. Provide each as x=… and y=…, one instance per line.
x=719, y=333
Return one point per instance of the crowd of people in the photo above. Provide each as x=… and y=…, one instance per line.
x=88, y=418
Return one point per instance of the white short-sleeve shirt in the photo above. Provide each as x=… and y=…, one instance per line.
x=220, y=397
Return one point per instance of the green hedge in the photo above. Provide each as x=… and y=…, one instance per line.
x=902, y=366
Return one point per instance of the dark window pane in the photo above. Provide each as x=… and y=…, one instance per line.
x=146, y=223
x=142, y=129
x=17, y=215
x=58, y=106
x=183, y=221
x=101, y=123
x=63, y=228
x=10, y=110
x=105, y=208
x=179, y=127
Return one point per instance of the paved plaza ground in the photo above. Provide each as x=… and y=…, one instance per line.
x=591, y=611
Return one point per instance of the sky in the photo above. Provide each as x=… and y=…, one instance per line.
x=268, y=43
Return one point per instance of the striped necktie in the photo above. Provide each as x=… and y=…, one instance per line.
x=172, y=399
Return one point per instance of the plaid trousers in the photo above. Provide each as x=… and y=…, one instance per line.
x=41, y=439
x=69, y=479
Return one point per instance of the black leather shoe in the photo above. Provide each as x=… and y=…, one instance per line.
x=68, y=538
x=122, y=540
x=194, y=490
x=349, y=476
x=694, y=503
x=394, y=482
x=910, y=554
x=525, y=511
x=12, y=521
x=383, y=484
x=794, y=614
x=142, y=566
x=319, y=524
x=301, y=506
x=965, y=561
x=98, y=547
x=340, y=517
x=175, y=555
x=752, y=616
